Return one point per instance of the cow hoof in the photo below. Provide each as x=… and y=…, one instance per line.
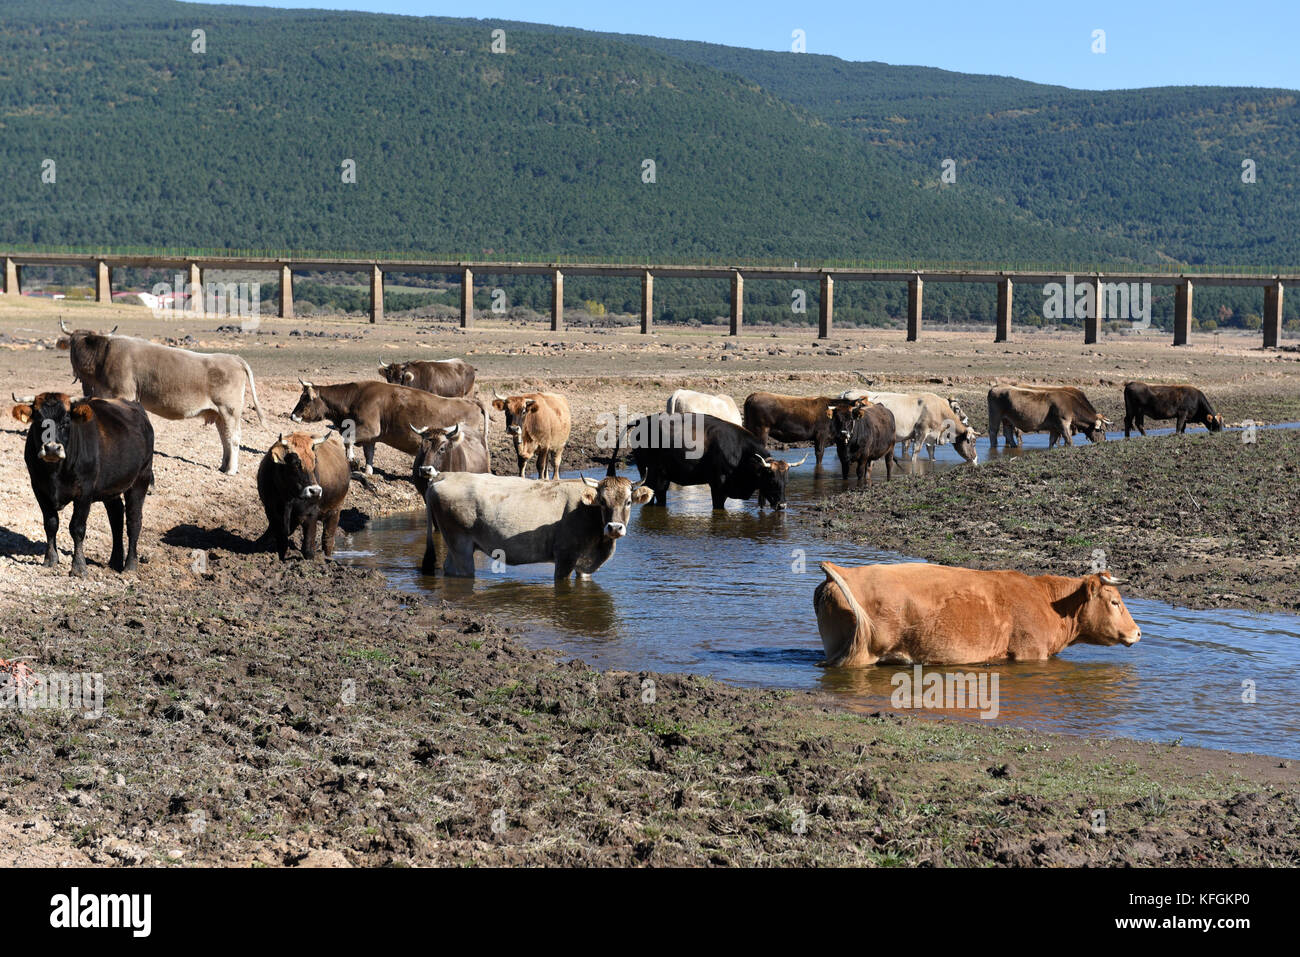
x=79, y=571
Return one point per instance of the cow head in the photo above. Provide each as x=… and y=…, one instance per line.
x=52, y=417
x=614, y=496
x=86, y=351
x=516, y=407
x=772, y=475
x=435, y=447
x=398, y=373
x=843, y=415
x=1214, y=422
x=963, y=442
x=310, y=407
x=295, y=455
x=1102, y=617
x=1096, y=429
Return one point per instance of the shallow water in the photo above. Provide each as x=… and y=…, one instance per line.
x=729, y=594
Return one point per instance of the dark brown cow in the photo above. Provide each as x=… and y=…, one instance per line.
x=1060, y=411
x=792, y=418
x=1182, y=403
x=368, y=412
x=863, y=432
x=539, y=424
x=453, y=378
x=447, y=450
x=85, y=451
x=301, y=481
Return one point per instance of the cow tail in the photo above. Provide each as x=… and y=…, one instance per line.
x=862, y=634
x=487, y=421
x=261, y=417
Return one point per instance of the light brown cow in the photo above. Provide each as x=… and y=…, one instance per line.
x=539, y=423
x=936, y=614
x=169, y=382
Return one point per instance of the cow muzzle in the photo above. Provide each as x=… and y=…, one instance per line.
x=311, y=491
x=295, y=417
x=1129, y=641
x=53, y=452
x=514, y=430
x=615, y=530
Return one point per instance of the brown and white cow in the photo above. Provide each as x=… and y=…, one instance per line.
x=925, y=419
x=539, y=424
x=574, y=523
x=792, y=418
x=941, y=615
x=368, y=412
x=302, y=481
x=453, y=378
x=1059, y=410
x=720, y=406
x=169, y=382
x=1182, y=403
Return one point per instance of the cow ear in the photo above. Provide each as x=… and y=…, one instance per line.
x=64, y=343
x=23, y=413
x=830, y=411
x=277, y=453
x=83, y=412
x=588, y=496
x=408, y=376
x=642, y=495
x=530, y=404
x=499, y=404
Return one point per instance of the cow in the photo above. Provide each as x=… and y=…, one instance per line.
x=863, y=433
x=790, y=418
x=85, y=451
x=369, y=412
x=925, y=419
x=1059, y=410
x=941, y=615
x=1182, y=403
x=719, y=406
x=699, y=449
x=303, y=480
x=575, y=524
x=171, y=383
x=447, y=450
x=453, y=378
x=539, y=424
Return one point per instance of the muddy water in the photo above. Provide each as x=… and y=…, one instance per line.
x=729, y=594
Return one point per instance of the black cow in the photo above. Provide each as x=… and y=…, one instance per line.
x=1182, y=403
x=863, y=433
x=698, y=449
x=85, y=451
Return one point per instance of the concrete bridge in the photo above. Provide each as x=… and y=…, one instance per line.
x=1004, y=281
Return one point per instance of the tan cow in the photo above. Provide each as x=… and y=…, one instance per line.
x=940, y=615
x=720, y=406
x=169, y=382
x=539, y=424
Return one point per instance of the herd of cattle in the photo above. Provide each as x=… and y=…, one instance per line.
x=99, y=448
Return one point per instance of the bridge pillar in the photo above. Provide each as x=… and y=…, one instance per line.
x=286, y=292
x=826, y=307
x=11, y=277
x=1272, y=315
x=1182, y=313
x=1004, y=311
x=103, y=283
x=376, y=294
x=467, y=299
x=647, y=302
x=195, y=289
x=737, y=302
x=1092, y=321
x=557, y=301
x=915, y=292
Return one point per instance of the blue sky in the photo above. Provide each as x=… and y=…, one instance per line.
x=1147, y=43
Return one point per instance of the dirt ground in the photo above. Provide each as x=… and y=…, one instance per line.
x=231, y=735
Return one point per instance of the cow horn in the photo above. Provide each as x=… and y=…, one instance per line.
x=801, y=461
x=27, y=401
x=304, y=383
x=113, y=331
x=1106, y=421
x=383, y=366
x=1110, y=580
x=281, y=441
x=453, y=431
x=497, y=395
x=323, y=439
x=418, y=431
x=590, y=483
x=64, y=326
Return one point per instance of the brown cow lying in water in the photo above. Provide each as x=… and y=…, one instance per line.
x=940, y=615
